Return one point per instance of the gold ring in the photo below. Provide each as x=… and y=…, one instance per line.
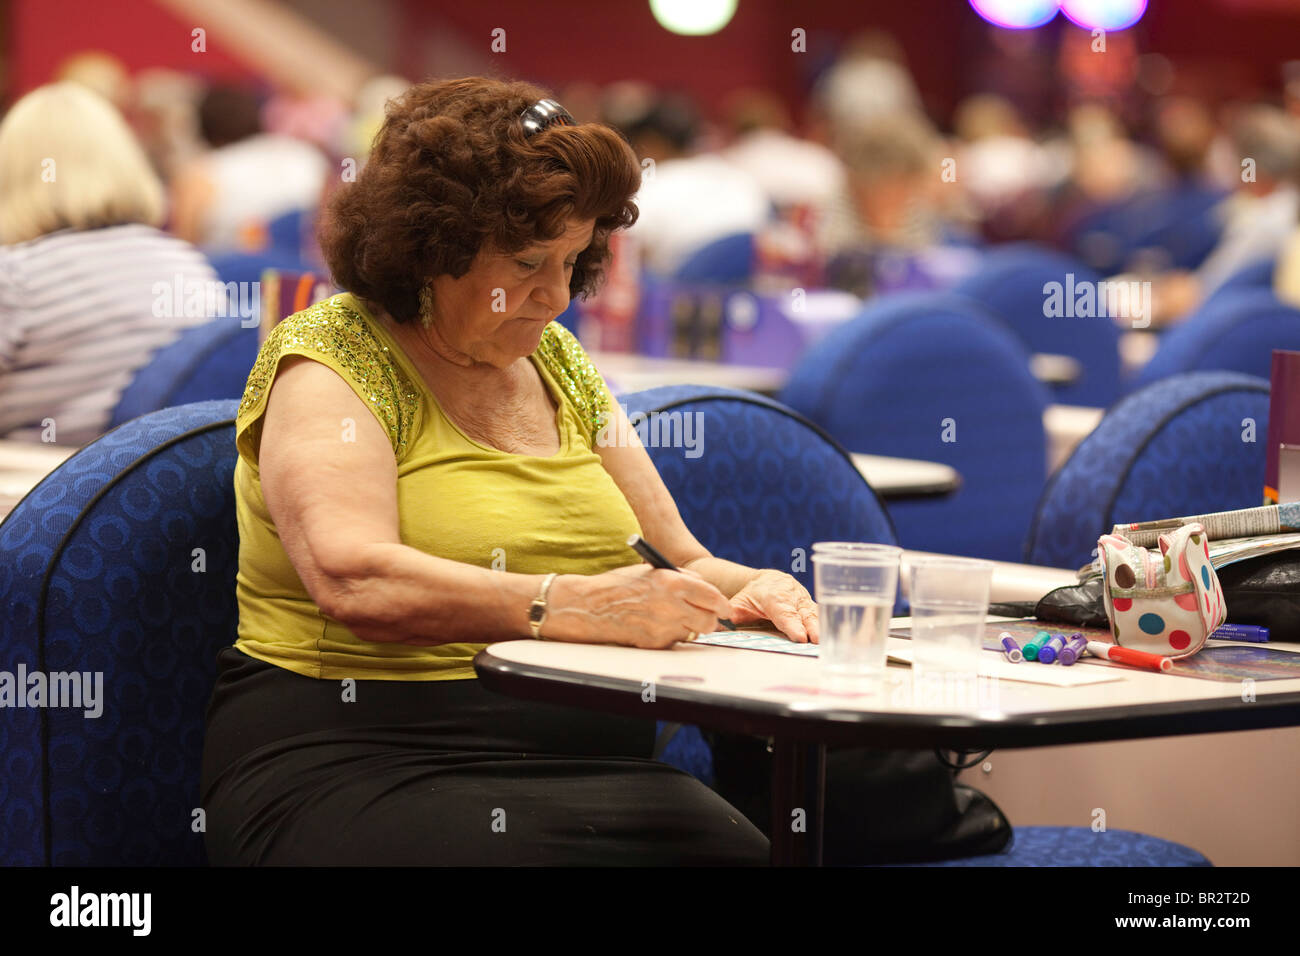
x=692, y=636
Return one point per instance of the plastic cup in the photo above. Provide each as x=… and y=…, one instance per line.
x=950, y=602
x=855, y=587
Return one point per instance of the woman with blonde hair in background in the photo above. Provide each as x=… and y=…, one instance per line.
x=82, y=260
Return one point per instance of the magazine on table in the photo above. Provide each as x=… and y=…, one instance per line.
x=1233, y=535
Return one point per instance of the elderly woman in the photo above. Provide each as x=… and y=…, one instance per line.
x=82, y=260
x=419, y=475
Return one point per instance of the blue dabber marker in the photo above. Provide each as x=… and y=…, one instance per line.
x=1009, y=647
x=1047, y=653
x=1073, y=650
x=1241, y=632
x=656, y=560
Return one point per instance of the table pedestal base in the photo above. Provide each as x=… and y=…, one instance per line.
x=798, y=802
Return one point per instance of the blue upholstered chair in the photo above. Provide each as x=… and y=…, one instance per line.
x=207, y=362
x=766, y=485
x=122, y=562
x=1010, y=283
x=249, y=266
x=1257, y=275
x=1081, y=846
x=1235, y=331
x=1174, y=448
x=1180, y=224
x=909, y=375
x=729, y=259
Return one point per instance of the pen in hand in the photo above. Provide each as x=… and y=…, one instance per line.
x=652, y=556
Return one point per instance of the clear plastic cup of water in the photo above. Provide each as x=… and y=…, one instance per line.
x=855, y=587
x=950, y=602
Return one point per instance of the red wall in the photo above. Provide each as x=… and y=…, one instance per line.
x=139, y=32
x=1238, y=43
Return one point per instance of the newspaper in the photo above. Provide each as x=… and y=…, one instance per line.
x=1232, y=535
x=1221, y=525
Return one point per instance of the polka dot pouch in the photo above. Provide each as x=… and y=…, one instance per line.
x=1164, y=603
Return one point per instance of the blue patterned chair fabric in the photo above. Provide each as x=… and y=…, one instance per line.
x=1233, y=331
x=101, y=574
x=1010, y=283
x=767, y=483
x=729, y=259
x=1081, y=846
x=1174, y=448
x=207, y=363
x=887, y=381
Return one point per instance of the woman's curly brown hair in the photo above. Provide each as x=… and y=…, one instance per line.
x=451, y=170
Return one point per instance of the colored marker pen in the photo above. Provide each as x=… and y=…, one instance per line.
x=1009, y=647
x=1031, y=648
x=1047, y=653
x=1072, y=650
x=1124, y=655
x=1241, y=632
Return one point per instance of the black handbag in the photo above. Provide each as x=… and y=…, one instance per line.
x=1264, y=591
x=882, y=806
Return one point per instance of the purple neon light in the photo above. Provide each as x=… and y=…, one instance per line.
x=1016, y=14
x=1104, y=14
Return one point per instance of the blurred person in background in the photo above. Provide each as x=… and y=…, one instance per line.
x=80, y=260
x=791, y=170
x=868, y=81
x=1001, y=170
x=224, y=199
x=98, y=71
x=888, y=220
x=163, y=112
x=1105, y=168
x=1259, y=218
x=687, y=199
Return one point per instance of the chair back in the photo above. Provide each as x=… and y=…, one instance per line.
x=1059, y=306
x=754, y=481
x=206, y=363
x=1185, y=445
x=932, y=376
x=729, y=259
x=1235, y=331
x=121, y=563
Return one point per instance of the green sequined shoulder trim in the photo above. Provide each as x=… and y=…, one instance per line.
x=568, y=362
x=331, y=329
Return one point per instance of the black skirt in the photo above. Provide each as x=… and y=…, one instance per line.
x=426, y=773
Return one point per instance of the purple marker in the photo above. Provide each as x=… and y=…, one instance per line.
x=1073, y=649
x=1009, y=646
x=1047, y=653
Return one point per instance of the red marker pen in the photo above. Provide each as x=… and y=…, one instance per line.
x=1124, y=655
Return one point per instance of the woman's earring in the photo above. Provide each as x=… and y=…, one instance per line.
x=426, y=306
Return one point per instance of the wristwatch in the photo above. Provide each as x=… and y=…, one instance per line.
x=537, y=610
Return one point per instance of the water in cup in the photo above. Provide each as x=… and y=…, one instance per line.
x=947, y=636
x=854, y=634
x=855, y=585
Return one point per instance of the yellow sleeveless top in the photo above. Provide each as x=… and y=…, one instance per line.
x=457, y=499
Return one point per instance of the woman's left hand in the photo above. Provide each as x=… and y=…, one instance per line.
x=777, y=597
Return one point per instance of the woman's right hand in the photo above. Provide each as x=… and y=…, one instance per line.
x=637, y=606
